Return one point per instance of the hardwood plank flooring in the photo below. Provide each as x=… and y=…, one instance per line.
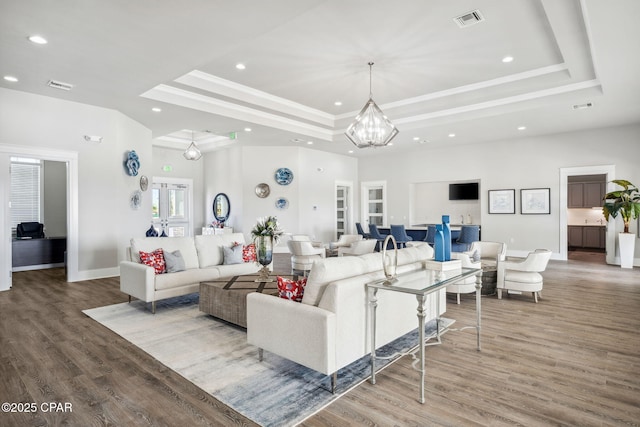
x=571, y=359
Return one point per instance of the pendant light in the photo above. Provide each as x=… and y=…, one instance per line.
x=192, y=152
x=371, y=128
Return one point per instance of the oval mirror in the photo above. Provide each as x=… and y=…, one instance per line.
x=221, y=207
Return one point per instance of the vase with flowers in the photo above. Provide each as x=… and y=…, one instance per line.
x=266, y=233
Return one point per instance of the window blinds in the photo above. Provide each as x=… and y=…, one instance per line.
x=25, y=190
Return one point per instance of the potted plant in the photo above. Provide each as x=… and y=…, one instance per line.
x=626, y=203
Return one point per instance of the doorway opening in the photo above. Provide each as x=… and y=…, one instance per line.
x=584, y=234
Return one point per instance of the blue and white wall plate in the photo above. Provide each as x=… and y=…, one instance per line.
x=282, y=203
x=284, y=176
x=132, y=163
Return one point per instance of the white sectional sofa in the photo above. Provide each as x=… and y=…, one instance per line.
x=329, y=330
x=203, y=259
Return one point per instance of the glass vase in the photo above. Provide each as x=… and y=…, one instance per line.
x=264, y=255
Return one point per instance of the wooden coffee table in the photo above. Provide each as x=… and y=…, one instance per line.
x=226, y=298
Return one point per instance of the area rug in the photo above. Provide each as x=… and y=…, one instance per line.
x=215, y=356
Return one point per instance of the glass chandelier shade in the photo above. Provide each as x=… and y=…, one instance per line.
x=371, y=128
x=192, y=152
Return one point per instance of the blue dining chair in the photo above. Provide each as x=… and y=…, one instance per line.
x=361, y=231
x=400, y=234
x=468, y=235
x=374, y=233
x=431, y=235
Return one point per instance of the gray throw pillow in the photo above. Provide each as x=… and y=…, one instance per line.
x=476, y=256
x=174, y=261
x=232, y=255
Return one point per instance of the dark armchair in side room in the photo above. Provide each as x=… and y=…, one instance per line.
x=35, y=230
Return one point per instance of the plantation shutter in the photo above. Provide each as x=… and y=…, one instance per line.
x=25, y=191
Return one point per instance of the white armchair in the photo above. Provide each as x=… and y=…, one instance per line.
x=467, y=285
x=345, y=240
x=303, y=254
x=305, y=238
x=523, y=276
x=359, y=247
x=491, y=253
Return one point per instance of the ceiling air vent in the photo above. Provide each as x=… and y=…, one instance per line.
x=469, y=19
x=59, y=85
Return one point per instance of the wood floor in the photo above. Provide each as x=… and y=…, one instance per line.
x=572, y=359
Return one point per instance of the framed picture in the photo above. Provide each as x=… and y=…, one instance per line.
x=502, y=201
x=534, y=201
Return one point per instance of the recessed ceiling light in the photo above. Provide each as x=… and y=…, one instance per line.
x=240, y=66
x=337, y=103
x=247, y=129
x=309, y=142
x=11, y=79
x=37, y=39
x=156, y=109
x=452, y=135
x=350, y=151
x=416, y=138
x=507, y=59
x=522, y=127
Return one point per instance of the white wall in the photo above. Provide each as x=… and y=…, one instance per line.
x=106, y=221
x=523, y=163
x=311, y=195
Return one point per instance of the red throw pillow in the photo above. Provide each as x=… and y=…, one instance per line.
x=249, y=253
x=291, y=289
x=154, y=259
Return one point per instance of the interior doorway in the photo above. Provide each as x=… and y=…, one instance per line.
x=70, y=159
x=586, y=215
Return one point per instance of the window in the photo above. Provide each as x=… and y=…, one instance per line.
x=25, y=190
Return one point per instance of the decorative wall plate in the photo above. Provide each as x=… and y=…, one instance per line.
x=282, y=203
x=262, y=190
x=136, y=199
x=132, y=163
x=144, y=183
x=284, y=176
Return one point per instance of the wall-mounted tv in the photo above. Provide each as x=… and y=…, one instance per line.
x=463, y=191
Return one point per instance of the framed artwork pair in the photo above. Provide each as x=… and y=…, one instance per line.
x=533, y=201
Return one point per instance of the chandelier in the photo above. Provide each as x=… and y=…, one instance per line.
x=371, y=128
x=192, y=152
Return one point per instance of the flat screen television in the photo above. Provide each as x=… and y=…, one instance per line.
x=463, y=191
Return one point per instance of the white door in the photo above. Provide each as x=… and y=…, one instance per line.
x=343, y=210
x=374, y=204
x=171, y=208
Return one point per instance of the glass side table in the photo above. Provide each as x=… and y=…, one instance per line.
x=421, y=283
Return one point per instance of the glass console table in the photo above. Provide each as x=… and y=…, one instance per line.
x=421, y=283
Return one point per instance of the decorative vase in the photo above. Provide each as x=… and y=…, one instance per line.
x=264, y=255
x=438, y=244
x=626, y=243
x=446, y=234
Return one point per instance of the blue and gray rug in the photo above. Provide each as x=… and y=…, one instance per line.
x=215, y=356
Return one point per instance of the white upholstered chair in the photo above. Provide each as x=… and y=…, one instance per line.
x=345, y=240
x=303, y=254
x=491, y=253
x=523, y=275
x=468, y=285
x=359, y=247
x=305, y=238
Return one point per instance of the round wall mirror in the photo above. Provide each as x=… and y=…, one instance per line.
x=221, y=207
